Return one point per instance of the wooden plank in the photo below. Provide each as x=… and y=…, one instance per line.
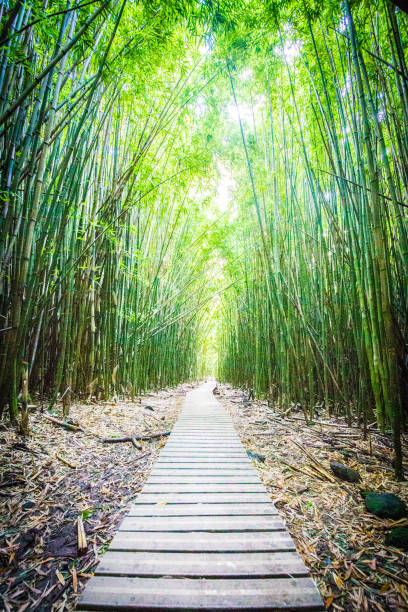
x=207, y=420
x=220, y=429
x=199, y=456
x=165, y=471
x=216, y=426
x=213, y=453
x=202, y=442
x=191, y=436
x=123, y=593
x=187, y=460
x=195, y=438
x=177, y=478
x=204, y=432
x=200, y=450
x=216, y=448
x=200, y=445
x=181, y=465
x=203, y=541
x=205, y=447
x=242, y=460
x=220, y=442
x=203, y=487
x=202, y=523
x=202, y=509
x=202, y=498
x=208, y=565
x=212, y=429
x=211, y=456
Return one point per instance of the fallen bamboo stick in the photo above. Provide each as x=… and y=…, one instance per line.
x=63, y=424
x=63, y=460
x=118, y=440
x=320, y=468
x=136, y=437
x=143, y=455
x=82, y=543
x=153, y=436
x=303, y=470
x=136, y=444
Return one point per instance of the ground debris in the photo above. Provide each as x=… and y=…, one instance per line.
x=340, y=542
x=63, y=494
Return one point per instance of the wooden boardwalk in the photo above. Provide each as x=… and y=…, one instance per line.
x=203, y=534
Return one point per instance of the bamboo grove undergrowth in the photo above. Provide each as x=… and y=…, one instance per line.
x=115, y=119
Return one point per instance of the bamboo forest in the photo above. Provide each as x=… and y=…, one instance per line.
x=204, y=226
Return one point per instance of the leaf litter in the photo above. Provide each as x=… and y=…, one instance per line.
x=339, y=541
x=64, y=492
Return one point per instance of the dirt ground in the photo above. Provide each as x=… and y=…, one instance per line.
x=341, y=543
x=54, y=476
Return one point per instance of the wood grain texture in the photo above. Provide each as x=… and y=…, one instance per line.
x=201, y=541
x=237, y=467
x=225, y=523
x=208, y=565
x=190, y=509
x=202, y=498
x=197, y=478
x=123, y=593
x=197, y=487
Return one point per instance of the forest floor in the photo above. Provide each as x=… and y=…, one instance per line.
x=42, y=497
x=54, y=476
x=339, y=541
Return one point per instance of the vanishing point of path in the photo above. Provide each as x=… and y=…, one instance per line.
x=203, y=534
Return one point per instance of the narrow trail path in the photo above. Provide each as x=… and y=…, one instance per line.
x=203, y=534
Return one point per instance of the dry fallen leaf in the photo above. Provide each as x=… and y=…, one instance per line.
x=338, y=581
x=74, y=579
x=60, y=577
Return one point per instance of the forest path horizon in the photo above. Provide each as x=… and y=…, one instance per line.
x=203, y=534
